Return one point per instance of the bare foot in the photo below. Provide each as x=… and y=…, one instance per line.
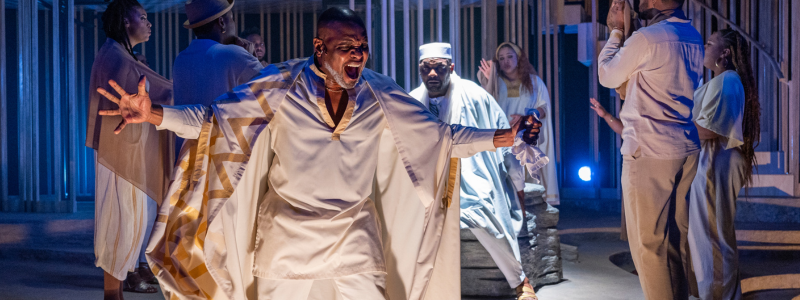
x=525, y=291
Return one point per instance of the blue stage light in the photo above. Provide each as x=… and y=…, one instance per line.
x=585, y=173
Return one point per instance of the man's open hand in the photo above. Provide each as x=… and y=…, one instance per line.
x=132, y=108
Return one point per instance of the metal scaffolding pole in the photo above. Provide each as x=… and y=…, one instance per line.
x=28, y=107
x=3, y=112
x=406, y=45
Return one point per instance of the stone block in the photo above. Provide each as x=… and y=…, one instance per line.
x=569, y=253
x=540, y=252
x=484, y=283
x=474, y=255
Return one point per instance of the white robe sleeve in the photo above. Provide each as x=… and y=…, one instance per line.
x=617, y=62
x=185, y=121
x=468, y=141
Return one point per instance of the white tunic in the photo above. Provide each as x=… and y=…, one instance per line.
x=520, y=106
x=316, y=220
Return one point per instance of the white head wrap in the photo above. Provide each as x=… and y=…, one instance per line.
x=435, y=50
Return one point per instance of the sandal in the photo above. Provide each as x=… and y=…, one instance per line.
x=527, y=293
x=146, y=274
x=135, y=283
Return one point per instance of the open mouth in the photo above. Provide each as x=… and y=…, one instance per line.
x=352, y=70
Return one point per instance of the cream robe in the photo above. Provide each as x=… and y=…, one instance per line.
x=334, y=220
x=123, y=180
x=540, y=98
x=719, y=107
x=488, y=199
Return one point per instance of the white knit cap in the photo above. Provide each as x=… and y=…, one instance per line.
x=435, y=50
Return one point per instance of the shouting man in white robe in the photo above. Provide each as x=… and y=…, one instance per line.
x=488, y=202
x=307, y=144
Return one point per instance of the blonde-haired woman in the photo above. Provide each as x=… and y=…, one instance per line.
x=513, y=82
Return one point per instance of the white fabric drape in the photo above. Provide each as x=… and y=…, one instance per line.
x=539, y=98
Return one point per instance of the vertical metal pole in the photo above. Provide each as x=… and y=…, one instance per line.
x=439, y=28
x=81, y=162
x=28, y=67
x=170, y=41
x=384, y=38
x=471, y=36
x=432, y=26
x=512, y=22
x=406, y=45
x=302, y=36
x=297, y=34
x=539, y=40
x=520, y=25
x=392, y=40
x=58, y=164
x=548, y=49
x=506, y=21
x=47, y=187
x=353, y=5
x=526, y=24
x=420, y=23
x=594, y=120
x=3, y=110
x=794, y=93
x=455, y=32
x=556, y=88
x=157, y=23
x=488, y=28
x=73, y=104
x=177, y=24
x=369, y=26
x=280, y=35
x=270, y=59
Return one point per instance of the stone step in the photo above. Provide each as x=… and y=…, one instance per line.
x=754, y=209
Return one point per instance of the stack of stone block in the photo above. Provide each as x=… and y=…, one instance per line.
x=540, y=250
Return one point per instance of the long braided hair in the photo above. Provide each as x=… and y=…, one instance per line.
x=114, y=22
x=751, y=126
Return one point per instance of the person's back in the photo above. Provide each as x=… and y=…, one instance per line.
x=663, y=76
x=208, y=69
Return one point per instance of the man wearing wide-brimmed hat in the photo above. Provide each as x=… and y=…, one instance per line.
x=217, y=60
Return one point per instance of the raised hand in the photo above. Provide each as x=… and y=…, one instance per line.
x=133, y=108
x=599, y=109
x=247, y=45
x=486, y=68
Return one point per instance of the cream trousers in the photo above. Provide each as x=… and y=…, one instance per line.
x=656, y=212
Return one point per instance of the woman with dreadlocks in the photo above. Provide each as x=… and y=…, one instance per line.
x=726, y=112
x=123, y=185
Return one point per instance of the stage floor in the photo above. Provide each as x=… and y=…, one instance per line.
x=32, y=268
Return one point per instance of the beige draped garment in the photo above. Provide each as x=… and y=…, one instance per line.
x=140, y=154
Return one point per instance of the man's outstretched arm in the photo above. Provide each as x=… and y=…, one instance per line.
x=186, y=121
x=464, y=138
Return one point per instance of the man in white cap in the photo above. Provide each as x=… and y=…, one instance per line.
x=488, y=202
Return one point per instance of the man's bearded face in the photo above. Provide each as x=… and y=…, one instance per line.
x=435, y=73
x=345, y=52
